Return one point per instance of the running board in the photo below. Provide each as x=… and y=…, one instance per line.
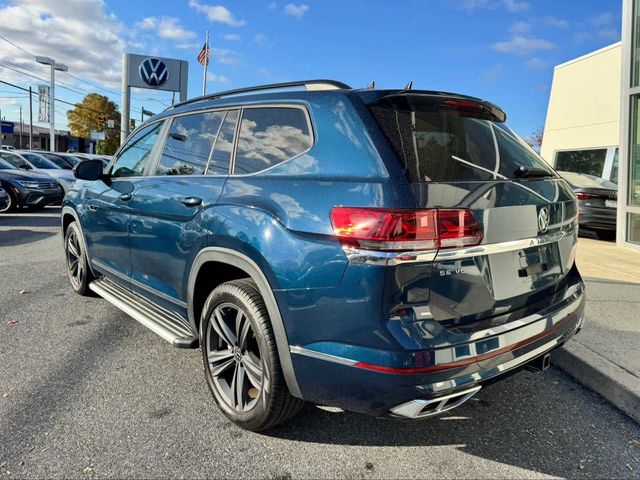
x=170, y=326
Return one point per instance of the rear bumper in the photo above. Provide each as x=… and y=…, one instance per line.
x=364, y=380
x=598, y=218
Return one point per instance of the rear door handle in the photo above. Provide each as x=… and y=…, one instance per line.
x=125, y=197
x=191, y=201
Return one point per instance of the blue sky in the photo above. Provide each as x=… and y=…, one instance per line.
x=501, y=50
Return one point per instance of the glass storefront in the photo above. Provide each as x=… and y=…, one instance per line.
x=634, y=153
x=633, y=228
x=635, y=59
x=590, y=162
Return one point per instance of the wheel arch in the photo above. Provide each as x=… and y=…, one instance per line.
x=239, y=263
x=67, y=216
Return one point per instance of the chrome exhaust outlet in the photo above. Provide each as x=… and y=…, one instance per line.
x=420, y=408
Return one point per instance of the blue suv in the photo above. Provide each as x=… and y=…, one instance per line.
x=383, y=251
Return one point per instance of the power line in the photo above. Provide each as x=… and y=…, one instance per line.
x=17, y=46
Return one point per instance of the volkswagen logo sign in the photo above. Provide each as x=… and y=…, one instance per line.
x=543, y=220
x=153, y=72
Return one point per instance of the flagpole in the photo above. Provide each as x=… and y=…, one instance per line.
x=206, y=64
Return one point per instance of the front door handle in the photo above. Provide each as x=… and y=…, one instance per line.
x=191, y=201
x=92, y=208
x=125, y=197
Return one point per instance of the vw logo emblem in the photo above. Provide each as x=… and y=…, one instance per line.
x=543, y=220
x=153, y=72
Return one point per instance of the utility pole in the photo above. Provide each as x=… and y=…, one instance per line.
x=30, y=120
x=20, y=142
x=52, y=95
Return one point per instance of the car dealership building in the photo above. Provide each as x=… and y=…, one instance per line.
x=593, y=120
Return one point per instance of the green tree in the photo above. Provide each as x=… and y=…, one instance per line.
x=92, y=114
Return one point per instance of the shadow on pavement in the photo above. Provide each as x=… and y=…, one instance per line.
x=48, y=217
x=13, y=237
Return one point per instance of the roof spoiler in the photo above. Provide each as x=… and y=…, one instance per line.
x=442, y=103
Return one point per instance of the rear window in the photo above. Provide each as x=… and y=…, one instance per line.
x=437, y=147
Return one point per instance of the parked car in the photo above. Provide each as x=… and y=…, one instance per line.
x=28, y=160
x=27, y=189
x=62, y=162
x=382, y=251
x=597, y=203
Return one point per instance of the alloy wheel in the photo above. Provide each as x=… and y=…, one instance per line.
x=75, y=262
x=235, y=363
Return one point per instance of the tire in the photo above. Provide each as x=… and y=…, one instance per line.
x=13, y=203
x=76, y=260
x=262, y=399
x=606, y=234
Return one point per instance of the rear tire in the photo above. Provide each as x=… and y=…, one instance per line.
x=76, y=258
x=240, y=358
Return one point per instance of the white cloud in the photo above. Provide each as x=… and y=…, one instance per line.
x=555, y=22
x=516, y=6
x=213, y=77
x=522, y=45
x=536, y=63
x=605, y=26
x=166, y=27
x=262, y=40
x=297, y=11
x=78, y=33
x=602, y=20
x=232, y=37
x=216, y=13
x=273, y=6
x=225, y=56
x=189, y=45
x=520, y=28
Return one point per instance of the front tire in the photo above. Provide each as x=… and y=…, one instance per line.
x=240, y=357
x=12, y=205
x=76, y=258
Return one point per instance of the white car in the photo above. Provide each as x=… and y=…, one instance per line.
x=28, y=160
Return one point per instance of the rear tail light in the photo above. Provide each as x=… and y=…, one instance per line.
x=405, y=230
x=589, y=196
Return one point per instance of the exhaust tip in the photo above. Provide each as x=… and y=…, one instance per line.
x=420, y=408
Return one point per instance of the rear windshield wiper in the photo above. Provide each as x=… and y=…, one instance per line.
x=532, y=172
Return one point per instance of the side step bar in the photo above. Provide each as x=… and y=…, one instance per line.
x=168, y=325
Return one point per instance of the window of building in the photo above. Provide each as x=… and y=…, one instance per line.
x=189, y=143
x=634, y=153
x=614, y=167
x=635, y=46
x=633, y=228
x=221, y=155
x=590, y=162
x=134, y=158
x=269, y=136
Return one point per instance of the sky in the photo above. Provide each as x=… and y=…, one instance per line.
x=501, y=50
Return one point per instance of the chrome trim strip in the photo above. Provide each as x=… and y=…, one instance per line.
x=321, y=356
x=502, y=247
x=370, y=257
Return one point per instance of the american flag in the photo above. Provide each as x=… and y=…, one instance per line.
x=204, y=55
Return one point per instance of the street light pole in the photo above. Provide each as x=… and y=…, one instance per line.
x=52, y=95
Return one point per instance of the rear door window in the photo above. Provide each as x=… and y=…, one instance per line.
x=269, y=136
x=445, y=147
x=223, y=148
x=189, y=144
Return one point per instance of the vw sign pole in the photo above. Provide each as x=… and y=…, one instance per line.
x=155, y=73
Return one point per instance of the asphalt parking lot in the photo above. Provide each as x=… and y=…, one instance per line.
x=87, y=392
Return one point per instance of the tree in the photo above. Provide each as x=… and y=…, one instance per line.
x=92, y=115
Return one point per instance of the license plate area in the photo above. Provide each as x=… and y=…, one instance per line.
x=611, y=203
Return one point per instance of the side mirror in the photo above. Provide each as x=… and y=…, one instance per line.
x=24, y=166
x=90, y=169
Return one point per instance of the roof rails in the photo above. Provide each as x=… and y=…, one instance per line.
x=320, y=84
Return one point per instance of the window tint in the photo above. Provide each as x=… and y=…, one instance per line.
x=436, y=147
x=12, y=160
x=221, y=156
x=582, y=161
x=134, y=157
x=269, y=136
x=188, y=145
x=59, y=161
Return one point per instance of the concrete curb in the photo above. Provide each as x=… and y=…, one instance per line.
x=604, y=377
